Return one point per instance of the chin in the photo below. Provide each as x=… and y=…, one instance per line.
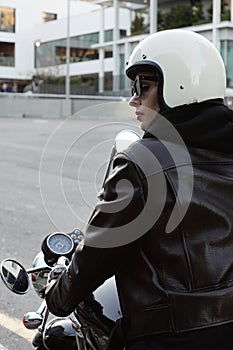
x=144, y=126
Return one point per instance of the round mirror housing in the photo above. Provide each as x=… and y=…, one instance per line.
x=14, y=276
x=125, y=138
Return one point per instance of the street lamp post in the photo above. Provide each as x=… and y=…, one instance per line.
x=68, y=52
x=216, y=21
x=153, y=16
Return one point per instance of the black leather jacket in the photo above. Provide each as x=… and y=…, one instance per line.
x=167, y=282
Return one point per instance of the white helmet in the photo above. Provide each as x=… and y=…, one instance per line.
x=190, y=68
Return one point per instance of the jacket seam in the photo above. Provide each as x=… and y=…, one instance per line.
x=188, y=260
x=212, y=163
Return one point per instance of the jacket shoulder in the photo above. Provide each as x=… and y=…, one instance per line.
x=161, y=156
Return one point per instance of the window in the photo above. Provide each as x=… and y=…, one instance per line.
x=122, y=69
x=108, y=34
x=54, y=52
x=227, y=55
x=84, y=85
x=108, y=81
x=7, y=54
x=108, y=53
x=79, y=85
x=7, y=19
x=49, y=16
x=123, y=33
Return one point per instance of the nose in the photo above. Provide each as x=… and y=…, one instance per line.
x=134, y=101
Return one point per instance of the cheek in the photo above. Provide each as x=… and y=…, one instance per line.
x=156, y=107
x=153, y=100
x=153, y=107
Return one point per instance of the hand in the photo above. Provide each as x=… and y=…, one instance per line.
x=52, y=277
x=56, y=272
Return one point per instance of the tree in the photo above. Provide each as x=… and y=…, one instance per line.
x=198, y=13
x=225, y=11
x=194, y=2
x=138, y=26
x=181, y=15
x=178, y=16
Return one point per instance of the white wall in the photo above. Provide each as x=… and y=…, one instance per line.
x=28, y=16
x=80, y=24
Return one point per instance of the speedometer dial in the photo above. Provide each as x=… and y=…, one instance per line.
x=60, y=243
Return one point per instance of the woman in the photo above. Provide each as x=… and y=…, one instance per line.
x=164, y=226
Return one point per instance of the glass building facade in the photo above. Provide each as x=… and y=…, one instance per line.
x=53, y=53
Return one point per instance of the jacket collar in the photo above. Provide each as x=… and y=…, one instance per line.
x=207, y=125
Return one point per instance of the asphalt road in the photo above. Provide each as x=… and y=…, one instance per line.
x=50, y=173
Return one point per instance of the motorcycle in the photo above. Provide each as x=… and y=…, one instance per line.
x=90, y=325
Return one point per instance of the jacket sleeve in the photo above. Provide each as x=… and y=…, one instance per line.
x=103, y=251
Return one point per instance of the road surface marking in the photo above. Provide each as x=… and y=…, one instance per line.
x=16, y=326
x=2, y=347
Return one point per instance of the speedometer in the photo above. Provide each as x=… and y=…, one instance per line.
x=60, y=243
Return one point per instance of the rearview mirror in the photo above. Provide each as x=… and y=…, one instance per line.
x=122, y=141
x=14, y=276
x=125, y=138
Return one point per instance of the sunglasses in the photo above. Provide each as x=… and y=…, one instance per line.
x=137, y=87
